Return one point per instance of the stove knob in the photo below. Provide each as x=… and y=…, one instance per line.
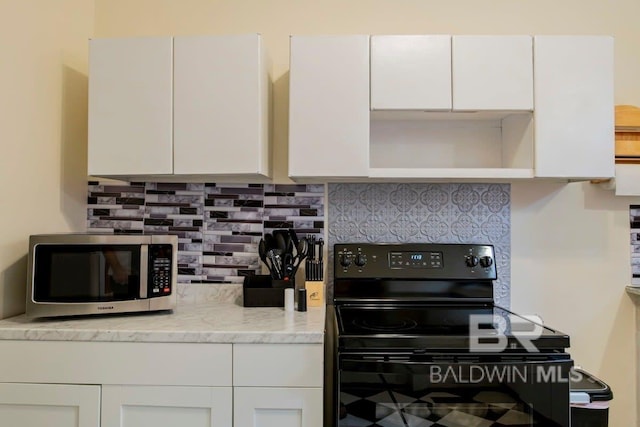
x=471, y=260
x=361, y=260
x=345, y=261
x=486, y=261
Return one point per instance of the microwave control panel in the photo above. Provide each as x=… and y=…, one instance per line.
x=160, y=273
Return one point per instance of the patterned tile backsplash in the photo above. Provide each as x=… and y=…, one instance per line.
x=218, y=225
x=437, y=213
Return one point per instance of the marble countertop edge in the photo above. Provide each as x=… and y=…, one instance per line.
x=212, y=322
x=633, y=290
x=162, y=337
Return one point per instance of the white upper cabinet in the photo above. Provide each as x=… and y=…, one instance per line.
x=492, y=73
x=179, y=107
x=130, y=106
x=329, y=106
x=457, y=73
x=451, y=107
x=220, y=113
x=574, y=106
x=411, y=72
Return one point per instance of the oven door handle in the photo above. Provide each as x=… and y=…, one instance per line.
x=413, y=365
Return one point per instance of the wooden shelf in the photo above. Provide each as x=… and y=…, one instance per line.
x=627, y=134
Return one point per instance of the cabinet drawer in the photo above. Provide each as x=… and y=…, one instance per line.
x=116, y=363
x=275, y=365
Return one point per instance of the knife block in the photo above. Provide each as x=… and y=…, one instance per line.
x=315, y=293
x=263, y=291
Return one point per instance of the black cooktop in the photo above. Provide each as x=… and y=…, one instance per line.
x=425, y=327
x=423, y=297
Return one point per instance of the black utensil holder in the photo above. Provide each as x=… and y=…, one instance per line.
x=263, y=291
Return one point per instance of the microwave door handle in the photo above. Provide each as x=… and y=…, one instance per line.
x=144, y=271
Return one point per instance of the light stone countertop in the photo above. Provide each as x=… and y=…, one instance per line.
x=633, y=290
x=207, y=322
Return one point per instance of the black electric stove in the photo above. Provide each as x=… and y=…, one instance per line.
x=405, y=315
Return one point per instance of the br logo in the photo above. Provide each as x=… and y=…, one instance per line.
x=488, y=332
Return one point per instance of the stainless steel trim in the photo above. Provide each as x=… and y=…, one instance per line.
x=164, y=239
x=75, y=309
x=166, y=302
x=144, y=270
x=90, y=238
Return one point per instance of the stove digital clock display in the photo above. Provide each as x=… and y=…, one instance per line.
x=400, y=260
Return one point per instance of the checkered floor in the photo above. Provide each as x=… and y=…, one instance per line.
x=360, y=408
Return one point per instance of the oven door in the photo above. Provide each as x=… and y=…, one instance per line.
x=481, y=391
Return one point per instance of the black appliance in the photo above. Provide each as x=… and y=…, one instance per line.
x=414, y=339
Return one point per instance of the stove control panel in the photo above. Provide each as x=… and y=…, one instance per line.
x=414, y=260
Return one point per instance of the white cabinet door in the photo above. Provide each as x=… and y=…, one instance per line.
x=130, y=106
x=166, y=406
x=45, y=405
x=329, y=106
x=492, y=73
x=574, y=106
x=411, y=72
x=277, y=407
x=220, y=105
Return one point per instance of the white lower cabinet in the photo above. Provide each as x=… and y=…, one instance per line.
x=277, y=385
x=117, y=384
x=166, y=406
x=45, y=405
x=277, y=407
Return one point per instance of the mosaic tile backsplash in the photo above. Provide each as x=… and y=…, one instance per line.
x=429, y=212
x=218, y=225
x=634, y=225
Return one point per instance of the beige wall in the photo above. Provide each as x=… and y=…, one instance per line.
x=43, y=89
x=570, y=250
x=570, y=243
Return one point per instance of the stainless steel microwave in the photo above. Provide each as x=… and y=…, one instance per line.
x=78, y=274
